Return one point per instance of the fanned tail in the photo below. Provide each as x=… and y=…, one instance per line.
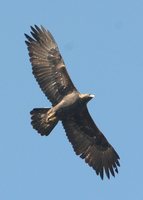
x=42, y=122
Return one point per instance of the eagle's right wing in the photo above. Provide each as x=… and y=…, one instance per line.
x=48, y=66
x=91, y=144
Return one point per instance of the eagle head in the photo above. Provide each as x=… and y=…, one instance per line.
x=86, y=97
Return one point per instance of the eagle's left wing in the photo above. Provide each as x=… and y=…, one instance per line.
x=91, y=144
x=48, y=66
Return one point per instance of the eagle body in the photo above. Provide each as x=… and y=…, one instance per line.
x=68, y=105
x=71, y=103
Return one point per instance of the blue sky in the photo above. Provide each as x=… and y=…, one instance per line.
x=102, y=45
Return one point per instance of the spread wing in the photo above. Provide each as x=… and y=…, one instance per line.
x=91, y=144
x=48, y=65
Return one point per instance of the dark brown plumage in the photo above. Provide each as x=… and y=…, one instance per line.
x=68, y=105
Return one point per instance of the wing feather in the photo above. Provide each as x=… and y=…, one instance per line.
x=91, y=144
x=47, y=65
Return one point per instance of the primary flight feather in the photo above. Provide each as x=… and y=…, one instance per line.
x=68, y=105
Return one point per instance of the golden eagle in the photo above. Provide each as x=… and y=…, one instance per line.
x=68, y=105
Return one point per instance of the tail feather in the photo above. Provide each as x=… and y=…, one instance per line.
x=40, y=122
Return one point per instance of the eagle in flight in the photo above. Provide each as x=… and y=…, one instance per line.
x=68, y=105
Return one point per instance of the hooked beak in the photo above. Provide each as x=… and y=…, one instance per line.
x=92, y=95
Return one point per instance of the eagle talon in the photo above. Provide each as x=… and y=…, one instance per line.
x=51, y=116
x=52, y=119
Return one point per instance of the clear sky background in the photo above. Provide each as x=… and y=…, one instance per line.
x=102, y=44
